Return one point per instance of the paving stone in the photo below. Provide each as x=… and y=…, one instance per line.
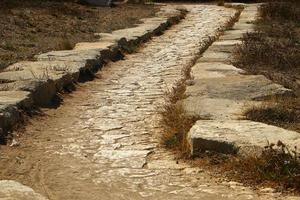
x=89, y=127
x=215, y=57
x=239, y=87
x=243, y=136
x=207, y=70
x=91, y=58
x=61, y=73
x=10, y=104
x=220, y=92
x=223, y=46
x=244, y=27
x=217, y=108
x=233, y=35
x=15, y=98
x=93, y=45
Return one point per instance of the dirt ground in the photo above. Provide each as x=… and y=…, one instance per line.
x=31, y=27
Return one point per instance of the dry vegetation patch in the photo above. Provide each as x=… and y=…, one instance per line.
x=274, y=48
x=274, y=51
x=174, y=120
x=31, y=27
x=282, y=112
x=277, y=167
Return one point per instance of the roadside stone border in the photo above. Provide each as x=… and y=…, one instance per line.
x=220, y=94
x=25, y=85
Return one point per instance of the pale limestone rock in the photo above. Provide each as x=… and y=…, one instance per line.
x=12, y=190
x=237, y=136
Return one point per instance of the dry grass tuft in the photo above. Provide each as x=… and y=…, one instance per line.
x=221, y=3
x=283, y=112
x=288, y=10
x=274, y=50
x=65, y=44
x=278, y=166
x=175, y=122
x=260, y=51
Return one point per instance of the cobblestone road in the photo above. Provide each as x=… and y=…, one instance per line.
x=102, y=143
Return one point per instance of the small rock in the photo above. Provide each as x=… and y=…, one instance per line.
x=14, y=143
x=267, y=190
x=190, y=82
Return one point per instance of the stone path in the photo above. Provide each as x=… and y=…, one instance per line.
x=221, y=93
x=102, y=143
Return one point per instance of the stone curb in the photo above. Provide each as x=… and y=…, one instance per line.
x=25, y=85
x=220, y=94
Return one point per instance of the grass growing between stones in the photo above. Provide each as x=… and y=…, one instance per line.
x=282, y=112
x=272, y=50
x=174, y=120
x=277, y=167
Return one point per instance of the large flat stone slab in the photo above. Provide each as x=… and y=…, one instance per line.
x=12, y=190
x=207, y=70
x=243, y=26
x=94, y=45
x=239, y=87
x=10, y=104
x=15, y=98
x=60, y=72
x=91, y=57
x=237, y=136
x=233, y=35
x=216, y=108
x=211, y=56
x=225, y=46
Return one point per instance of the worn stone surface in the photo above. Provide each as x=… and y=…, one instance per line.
x=231, y=136
x=15, y=98
x=214, y=56
x=237, y=87
x=232, y=35
x=11, y=190
x=221, y=93
x=10, y=101
x=59, y=70
x=207, y=70
x=225, y=46
x=103, y=143
x=216, y=108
